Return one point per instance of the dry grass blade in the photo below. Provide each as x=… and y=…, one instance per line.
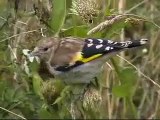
x=136, y=6
x=111, y=20
x=145, y=76
x=18, y=35
x=13, y=113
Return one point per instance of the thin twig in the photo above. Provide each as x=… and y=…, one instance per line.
x=4, y=19
x=121, y=8
x=155, y=24
x=109, y=66
x=145, y=76
x=17, y=35
x=144, y=19
x=14, y=54
x=137, y=5
x=13, y=113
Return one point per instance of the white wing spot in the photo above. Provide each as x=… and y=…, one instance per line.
x=111, y=48
x=124, y=44
x=90, y=40
x=99, y=46
x=107, y=48
x=100, y=40
x=115, y=42
x=89, y=45
x=109, y=41
x=129, y=42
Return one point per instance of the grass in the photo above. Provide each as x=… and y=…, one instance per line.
x=128, y=90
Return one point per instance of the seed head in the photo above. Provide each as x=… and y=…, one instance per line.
x=92, y=99
x=49, y=91
x=86, y=9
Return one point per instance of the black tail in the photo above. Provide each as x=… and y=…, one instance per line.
x=116, y=46
x=101, y=46
x=134, y=43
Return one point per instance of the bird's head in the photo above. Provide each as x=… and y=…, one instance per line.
x=45, y=48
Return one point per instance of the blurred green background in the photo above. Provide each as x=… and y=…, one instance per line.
x=128, y=90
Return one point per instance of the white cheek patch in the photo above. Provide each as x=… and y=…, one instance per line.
x=99, y=46
x=100, y=40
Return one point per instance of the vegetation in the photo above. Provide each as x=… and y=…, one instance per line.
x=127, y=88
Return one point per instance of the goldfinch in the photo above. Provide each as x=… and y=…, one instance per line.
x=78, y=60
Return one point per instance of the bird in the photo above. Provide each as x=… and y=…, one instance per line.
x=79, y=60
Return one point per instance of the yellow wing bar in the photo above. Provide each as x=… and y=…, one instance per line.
x=79, y=57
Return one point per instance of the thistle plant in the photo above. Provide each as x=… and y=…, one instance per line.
x=86, y=9
x=50, y=92
x=92, y=99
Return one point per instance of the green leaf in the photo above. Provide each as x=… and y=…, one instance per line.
x=59, y=85
x=44, y=114
x=63, y=95
x=58, y=100
x=33, y=66
x=131, y=107
x=128, y=79
x=37, y=82
x=128, y=76
x=78, y=31
x=3, y=85
x=65, y=91
x=114, y=28
x=122, y=90
x=58, y=15
x=9, y=94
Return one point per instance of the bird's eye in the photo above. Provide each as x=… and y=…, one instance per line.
x=45, y=49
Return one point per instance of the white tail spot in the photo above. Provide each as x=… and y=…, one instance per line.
x=143, y=41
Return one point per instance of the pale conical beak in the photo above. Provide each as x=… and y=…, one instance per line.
x=35, y=52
